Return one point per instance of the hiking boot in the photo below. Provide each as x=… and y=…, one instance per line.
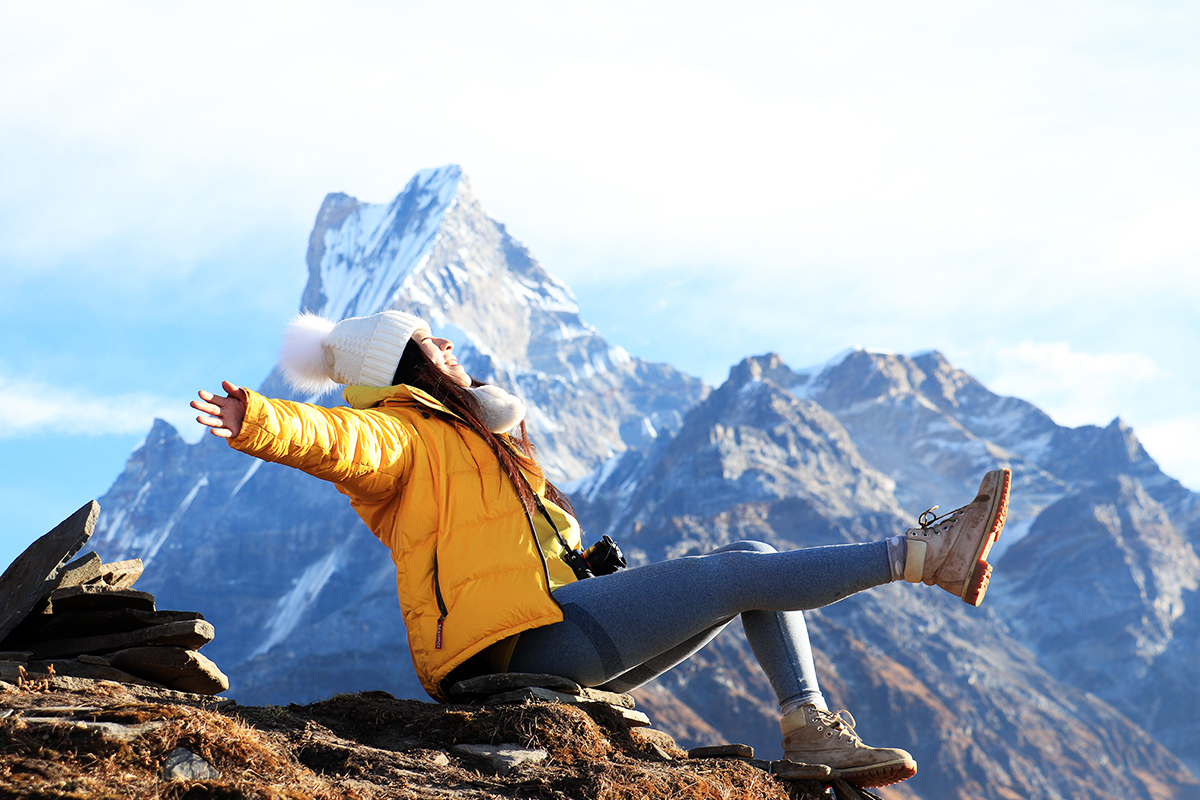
x=951, y=550
x=814, y=736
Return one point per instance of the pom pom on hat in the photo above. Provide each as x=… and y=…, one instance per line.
x=318, y=354
x=302, y=355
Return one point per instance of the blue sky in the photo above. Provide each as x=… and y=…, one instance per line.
x=1013, y=184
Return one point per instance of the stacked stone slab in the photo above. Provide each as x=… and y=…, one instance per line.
x=518, y=687
x=82, y=618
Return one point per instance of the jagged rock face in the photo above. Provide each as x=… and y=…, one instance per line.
x=749, y=443
x=752, y=441
x=1119, y=543
x=933, y=428
x=991, y=701
x=1104, y=589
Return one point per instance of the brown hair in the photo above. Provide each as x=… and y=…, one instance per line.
x=513, y=450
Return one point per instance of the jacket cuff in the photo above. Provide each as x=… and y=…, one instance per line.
x=250, y=422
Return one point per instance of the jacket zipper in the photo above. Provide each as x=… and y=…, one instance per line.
x=437, y=587
x=437, y=592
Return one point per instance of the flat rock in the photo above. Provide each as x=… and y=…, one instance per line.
x=173, y=667
x=584, y=697
x=796, y=771
x=660, y=742
x=122, y=574
x=84, y=569
x=89, y=659
x=141, y=690
x=15, y=655
x=64, y=711
x=72, y=668
x=507, y=681
x=608, y=698
x=23, y=584
x=70, y=624
x=634, y=719
x=504, y=757
x=182, y=764
x=98, y=597
x=120, y=732
x=190, y=634
x=722, y=751
x=534, y=693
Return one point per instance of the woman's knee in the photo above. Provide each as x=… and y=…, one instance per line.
x=748, y=545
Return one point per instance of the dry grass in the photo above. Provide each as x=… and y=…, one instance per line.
x=362, y=746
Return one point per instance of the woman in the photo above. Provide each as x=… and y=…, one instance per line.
x=441, y=470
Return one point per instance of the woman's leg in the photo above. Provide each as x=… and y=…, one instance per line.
x=624, y=629
x=621, y=630
x=779, y=640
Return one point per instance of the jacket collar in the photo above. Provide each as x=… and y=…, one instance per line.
x=361, y=397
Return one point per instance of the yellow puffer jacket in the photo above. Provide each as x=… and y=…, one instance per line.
x=469, y=572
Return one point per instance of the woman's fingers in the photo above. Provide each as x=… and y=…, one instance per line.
x=207, y=408
x=224, y=414
x=212, y=406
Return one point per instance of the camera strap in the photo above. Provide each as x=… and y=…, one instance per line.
x=572, y=556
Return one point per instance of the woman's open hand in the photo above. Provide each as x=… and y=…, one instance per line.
x=224, y=414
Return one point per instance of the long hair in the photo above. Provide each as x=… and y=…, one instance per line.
x=513, y=450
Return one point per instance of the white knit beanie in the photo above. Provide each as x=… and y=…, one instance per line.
x=318, y=354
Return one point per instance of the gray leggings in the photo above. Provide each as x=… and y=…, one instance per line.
x=622, y=630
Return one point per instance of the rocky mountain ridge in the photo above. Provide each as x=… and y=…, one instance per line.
x=991, y=701
x=922, y=646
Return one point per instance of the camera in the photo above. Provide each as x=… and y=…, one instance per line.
x=602, y=558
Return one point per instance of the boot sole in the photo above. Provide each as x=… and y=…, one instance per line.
x=880, y=774
x=977, y=581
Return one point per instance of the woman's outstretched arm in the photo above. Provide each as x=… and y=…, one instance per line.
x=223, y=415
x=364, y=453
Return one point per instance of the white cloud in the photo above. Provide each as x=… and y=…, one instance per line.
x=1075, y=388
x=29, y=408
x=1174, y=443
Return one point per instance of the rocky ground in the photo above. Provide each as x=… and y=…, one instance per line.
x=74, y=738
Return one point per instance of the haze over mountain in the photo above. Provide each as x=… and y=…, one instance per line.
x=1073, y=680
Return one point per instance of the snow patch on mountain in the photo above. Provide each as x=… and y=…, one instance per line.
x=158, y=538
x=254, y=465
x=291, y=607
x=369, y=234
x=807, y=379
x=109, y=525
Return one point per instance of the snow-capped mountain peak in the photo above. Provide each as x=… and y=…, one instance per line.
x=396, y=239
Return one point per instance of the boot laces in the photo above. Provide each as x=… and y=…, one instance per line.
x=928, y=520
x=836, y=724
